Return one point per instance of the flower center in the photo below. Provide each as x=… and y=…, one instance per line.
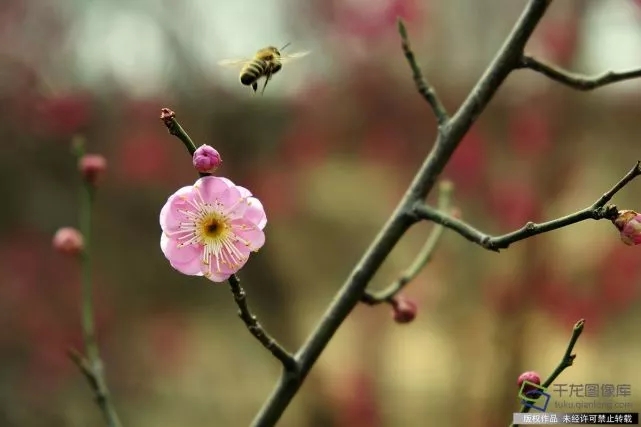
x=212, y=227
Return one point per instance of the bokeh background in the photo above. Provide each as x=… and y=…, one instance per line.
x=329, y=150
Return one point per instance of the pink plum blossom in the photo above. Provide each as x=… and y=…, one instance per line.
x=210, y=228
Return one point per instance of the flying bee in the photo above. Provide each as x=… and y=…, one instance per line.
x=265, y=63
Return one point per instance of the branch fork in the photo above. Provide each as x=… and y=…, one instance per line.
x=597, y=211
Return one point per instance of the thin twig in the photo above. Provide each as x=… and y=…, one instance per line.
x=240, y=297
x=566, y=361
x=169, y=119
x=91, y=365
x=598, y=210
x=506, y=60
x=424, y=256
x=424, y=88
x=255, y=328
x=574, y=80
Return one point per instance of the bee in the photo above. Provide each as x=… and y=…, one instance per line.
x=265, y=63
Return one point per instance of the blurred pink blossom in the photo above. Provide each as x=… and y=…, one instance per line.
x=530, y=130
x=210, y=228
x=357, y=404
x=68, y=240
x=65, y=114
x=92, y=167
x=468, y=166
x=372, y=20
x=513, y=203
x=560, y=39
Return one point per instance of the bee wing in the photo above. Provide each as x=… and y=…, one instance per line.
x=234, y=62
x=292, y=56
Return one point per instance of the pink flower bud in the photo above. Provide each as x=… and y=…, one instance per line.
x=68, y=241
x=628, y=222
x=206, y=159
x=92, y=166
x=531, y=377
x=404, y=310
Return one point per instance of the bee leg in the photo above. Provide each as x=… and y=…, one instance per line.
x=269, y=76
x=255, y=86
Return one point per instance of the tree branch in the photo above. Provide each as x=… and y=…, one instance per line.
x=91, y=365
x=240, y=297
x=169, y=119
x=598, y=210
x=255, y=328
x=577, y=81
x=424, y=88
x=424, y=256
x=566, y=361
x=506, y=60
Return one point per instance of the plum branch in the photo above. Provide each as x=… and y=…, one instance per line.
x=507, y=59
x=424, y=256
x=90, y=364
x=598, y=210
x=577, y=81
x=256, y=329
x=240, y=296
x=426, y=90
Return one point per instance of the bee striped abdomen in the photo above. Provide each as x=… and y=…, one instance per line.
x=253, y=71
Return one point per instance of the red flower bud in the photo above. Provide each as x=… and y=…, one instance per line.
x=404, y=310
x=531, y=377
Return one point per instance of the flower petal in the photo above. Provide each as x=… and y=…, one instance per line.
x=256, y=213
x=221, y=266
x=234, y=205
x=191, y=268
x=217, y=277
x=251, y=235
x=243, y=191
x=176, y=254
x=211, y=188
x=170, y=214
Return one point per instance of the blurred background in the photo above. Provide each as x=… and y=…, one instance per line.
x=329, y=150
